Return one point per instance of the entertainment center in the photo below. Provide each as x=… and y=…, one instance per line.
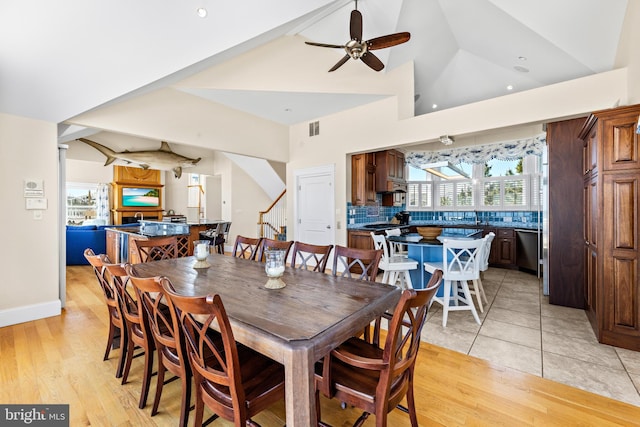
x=137, y=194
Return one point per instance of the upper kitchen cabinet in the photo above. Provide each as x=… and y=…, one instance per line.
x=363, y=179
x=614, y=217
x=390, y=171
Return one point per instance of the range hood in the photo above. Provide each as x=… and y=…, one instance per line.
x=445, y=170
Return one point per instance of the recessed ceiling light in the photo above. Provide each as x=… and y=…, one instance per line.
x=434, y=106
x=202, y=12
x=522, y=58
x=288, y=110
x=510, y=87
x=521, y=69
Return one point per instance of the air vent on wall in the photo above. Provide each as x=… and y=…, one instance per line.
x=314, y=128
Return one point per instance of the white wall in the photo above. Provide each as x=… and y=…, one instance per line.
x=380, y=129
x=29, y=287
x=87, y=172
x=628, y=54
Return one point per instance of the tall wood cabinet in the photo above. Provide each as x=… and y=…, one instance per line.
x=363, y=179
x=612, y=225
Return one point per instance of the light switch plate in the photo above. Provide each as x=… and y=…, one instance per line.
x=35, y=203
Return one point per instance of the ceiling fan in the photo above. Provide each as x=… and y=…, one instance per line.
x=357, y=48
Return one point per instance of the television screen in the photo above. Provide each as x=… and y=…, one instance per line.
x=140, y=197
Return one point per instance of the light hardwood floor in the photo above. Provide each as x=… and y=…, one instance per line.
x=59, y=360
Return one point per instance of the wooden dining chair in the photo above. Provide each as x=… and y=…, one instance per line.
x=171, y=355
x=266, y=244
x=373, y=378
x=310, y=257
x=246, y=247
x=157, y=249
x=117, y=328
x=234, y=381
x=139, y=334
x=356, y=263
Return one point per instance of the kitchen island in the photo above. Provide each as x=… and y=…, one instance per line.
x=423, y=250
x=120, y=247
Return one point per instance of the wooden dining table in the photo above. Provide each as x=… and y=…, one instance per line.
x=296, y=325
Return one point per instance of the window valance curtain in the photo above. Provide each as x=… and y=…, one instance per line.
x=511, y=150
x=103, y=210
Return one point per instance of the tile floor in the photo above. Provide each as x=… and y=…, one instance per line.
x=522, y=331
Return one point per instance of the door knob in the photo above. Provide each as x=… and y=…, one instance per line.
x=328, y=226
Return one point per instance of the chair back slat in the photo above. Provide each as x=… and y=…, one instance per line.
x=120, y=281
x=404, y=334
x=246, y=247
x=380, y=242
x=486, y=251
x=214, y=357
x=150, y=298
x=266, y=244
x=461, y=258
x=310, y=257
x=157, y=249
x=361, y=264
x=98, y=263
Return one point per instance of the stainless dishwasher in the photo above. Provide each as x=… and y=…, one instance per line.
x=528, y=247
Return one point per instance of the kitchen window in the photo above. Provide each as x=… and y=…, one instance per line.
x=419, y=195
x=494, y=185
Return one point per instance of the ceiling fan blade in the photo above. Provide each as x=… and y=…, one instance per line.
x=355, y=27
x=372, y=61
x=388, y=40
x=325, y=45
x=340, y=63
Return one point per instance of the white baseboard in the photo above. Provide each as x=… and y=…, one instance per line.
x=27, y=313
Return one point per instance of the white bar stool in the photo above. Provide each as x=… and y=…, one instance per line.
x=395, y=267
x=460, y=263
x=395, y=248
x=478, y=289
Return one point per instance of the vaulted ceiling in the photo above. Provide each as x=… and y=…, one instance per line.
x=62, y=58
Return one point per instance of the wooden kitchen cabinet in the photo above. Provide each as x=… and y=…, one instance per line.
x=113, y=246
x=569, y=160
x=390, y=171
x=390, y=165
x=363, y=179
x=359, y=239
x=505, y=246
x=612, y=226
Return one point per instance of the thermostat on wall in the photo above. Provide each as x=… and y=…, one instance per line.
x=33, y=188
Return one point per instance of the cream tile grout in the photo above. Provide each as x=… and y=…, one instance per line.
x=543, y=301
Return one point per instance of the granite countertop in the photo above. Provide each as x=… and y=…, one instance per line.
x=452, y=232
x=148, y=232
x=376, y=226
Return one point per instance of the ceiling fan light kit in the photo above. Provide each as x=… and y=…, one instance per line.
x=356, y=48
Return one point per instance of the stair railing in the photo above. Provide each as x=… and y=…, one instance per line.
x=272, y=223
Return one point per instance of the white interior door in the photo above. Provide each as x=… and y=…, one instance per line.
x=315, y=205
x=213, y=202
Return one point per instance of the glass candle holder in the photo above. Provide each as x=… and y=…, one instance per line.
x=201, y=252
x=274, y=267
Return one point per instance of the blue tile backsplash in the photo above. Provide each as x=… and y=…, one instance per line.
x=357, y=215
